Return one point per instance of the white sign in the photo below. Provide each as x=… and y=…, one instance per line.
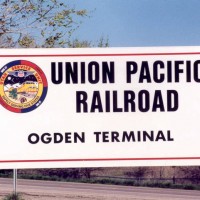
x=99, y=107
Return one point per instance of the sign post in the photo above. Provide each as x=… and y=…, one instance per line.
x=15, y=181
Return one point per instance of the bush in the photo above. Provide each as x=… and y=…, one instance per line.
x=189, y=187
x=129, y=183
x=13, y=197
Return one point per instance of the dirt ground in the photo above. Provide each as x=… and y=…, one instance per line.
x=26, y=196
x=48, y=190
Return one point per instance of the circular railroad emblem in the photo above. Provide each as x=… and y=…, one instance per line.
x=23, y=86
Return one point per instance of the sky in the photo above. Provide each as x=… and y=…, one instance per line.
x=133, y=23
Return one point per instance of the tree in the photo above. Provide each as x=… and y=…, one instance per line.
x=191, y=173
x=70, y=173
x=138, y=172
x=87, y=172
x=37, y=23
x=102, y=42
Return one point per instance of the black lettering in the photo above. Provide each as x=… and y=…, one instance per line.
x=172, y=100
x=158, y=102
x=178, y=71
x=107, y=98
x=128, y=136
x=131, y=68
x=58, y=138
x=188, y=70
x=169, y=138
x=160, y=136
x=108, y=73
x=196, y=71
x=158, y=77
x=145, y=73
x=93, y=72
x=143, y=101
x=33, y=138
x=146, y=135
x=115, y=136
x=169, y=71
x=115, y=103
x=71, y=72
x=46, y=138
x=81, y=101
x=82, y=72
x=56, y=78
x=68, y=138
x=97, y=134
x=105, y=136
x=78, y=137
x=96, y=102
x=129, y=100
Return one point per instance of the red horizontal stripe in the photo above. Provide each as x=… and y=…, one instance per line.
x=100, y=159
x=100, y=55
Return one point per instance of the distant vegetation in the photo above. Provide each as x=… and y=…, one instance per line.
x=162, y=177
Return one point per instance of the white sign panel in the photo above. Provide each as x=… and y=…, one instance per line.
x=99, y=107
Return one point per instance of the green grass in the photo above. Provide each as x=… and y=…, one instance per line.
x=112, y=181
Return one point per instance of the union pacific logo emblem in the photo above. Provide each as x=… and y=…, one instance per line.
x=23, y=86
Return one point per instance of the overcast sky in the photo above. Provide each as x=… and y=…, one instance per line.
x=141, y=22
